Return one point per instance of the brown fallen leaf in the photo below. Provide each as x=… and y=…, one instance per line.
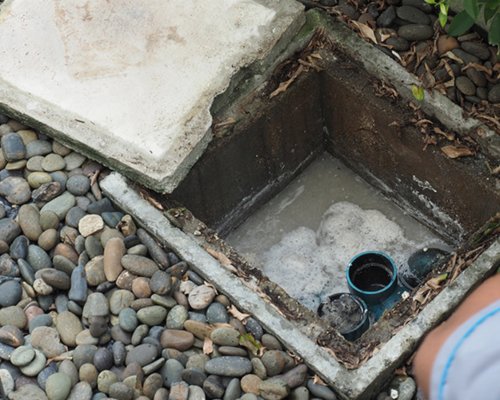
x=146, y=196
x=318, y=381
x=457, y=151
x=448, y=135
x=222, y=258
x=237, y=314
x=365, y=31
x=283, y=86
x=208, y=346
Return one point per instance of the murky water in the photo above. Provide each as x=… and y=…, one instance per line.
x=305, y=236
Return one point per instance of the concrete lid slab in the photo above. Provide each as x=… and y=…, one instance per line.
x=131, y=82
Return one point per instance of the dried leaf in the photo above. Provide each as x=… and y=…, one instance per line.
x=365, y=31
x=237, y=314
x=208, y=346
x=318, y=381
x=435, y=283
x=479, y=67
x=224, y=124
x=496, y=171
x=222, y=258
x=283, y=86
x=146, y=196
x=448, y=135
x=457, y=151
x=449, y=54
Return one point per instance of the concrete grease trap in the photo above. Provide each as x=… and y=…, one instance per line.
x=329, y=96
x=335, y=107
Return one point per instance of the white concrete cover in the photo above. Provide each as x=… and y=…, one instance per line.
x=132, y=79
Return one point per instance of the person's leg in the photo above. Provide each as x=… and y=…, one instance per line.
x=487, y=293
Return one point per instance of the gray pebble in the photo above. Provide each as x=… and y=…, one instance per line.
x=414, y=32
x=229, y=366
x=10, y=293
x=13, y=147
x=321, y=391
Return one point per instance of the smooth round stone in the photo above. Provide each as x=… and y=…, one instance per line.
x=199, y=329
x=53, y=162
x=177, y=339
x=494, y=94
x=22, y=356
x=39, y=320
x=200, y=317
x=15, y=165
x=138, y=250
x=140, y=288
x=81, y=391
x=201, y=296
x=98, y=326
x=29, y=221
x=60, y=205
x=321, y=391
x=13, y=147
x=103, y=359
x=100, y=206
x=119, y=353
x=93, y=246
x=28, y=390
x=229, y=366
x=9, y=229
x=250, y=384
x=152, y=384
x=413, y=15
x=11, y=336
x=477, y=77
x=176, y=317
x=74, y=160
x=94, y=270
x=7, y=381
x=37, y=179
x=274, y=361
x=139, y=334
x=58, y=386
x=253, y=326
x=35, y=366
x=96, y=306
x=139, y=265
x=48, y=239
x=45, y=373
x=38, y=148
x=35, y=164
x=88, y=373
x=156, y=252
x=213, y=387
x=142, y=354
x=258, y=368
x=270, y=342
x=194, y=376
x=15, y=189
x=74, y=216
x=121, y=391
x=10, y=293
x=161, y=283
x=128, y=319
x=82, y=202
x=225, y=336
x=467, y=58
x=300, y=393
x=90, y=224
x=60, y=149
x=69, y=326
x=232, y=351
x=48, y=220
x=172, y=372
x=46, y=192
x=119, y=300
x=78, y=290
x=13, y=315
x=465, y=85
x=46, y=339
x=55, y=278
x=38, y=258
x=387, y=17
x=413, y=32
x=216, y=312
x=84, y=354
x=477, y=49
x=68, y=235
x=78, y=185
x=153, y=315
x=233, y=390
x=113, y=253
x=112, y=219
x=68, y=367
x=274, y=389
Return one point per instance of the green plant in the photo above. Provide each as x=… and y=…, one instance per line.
x=473, y=10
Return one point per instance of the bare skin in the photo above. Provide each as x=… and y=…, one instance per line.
x=487, y=293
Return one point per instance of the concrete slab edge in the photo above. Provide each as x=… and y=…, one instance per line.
x=382, y=66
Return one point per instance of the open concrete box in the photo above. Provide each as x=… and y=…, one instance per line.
x=269, y=141
x=260, y=144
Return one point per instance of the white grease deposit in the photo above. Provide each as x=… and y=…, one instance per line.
x=305, y=236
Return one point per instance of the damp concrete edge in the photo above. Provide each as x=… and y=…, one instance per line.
x=355, y=384
x=384, y=67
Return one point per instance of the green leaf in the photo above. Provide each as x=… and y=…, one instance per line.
x=472, y=8
x=443, y=19
x=488, y=14
x=418, y=92
x=494, y=34
x=460, y=24
x=443, y=8
x=249, y=342
x=431, y=2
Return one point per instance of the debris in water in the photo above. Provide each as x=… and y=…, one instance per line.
x=343, y=313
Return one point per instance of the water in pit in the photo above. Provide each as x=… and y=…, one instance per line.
x=305, y=236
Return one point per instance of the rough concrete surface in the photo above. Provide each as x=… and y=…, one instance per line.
x=355, y=384
x=131, y=82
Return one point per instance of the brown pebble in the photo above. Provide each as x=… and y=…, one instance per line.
x=125, y=279
x=446, y=43
x=11, y=335
x=140, y=287
x=113, y=253
x=48, y=239
x=64, y=249
x=250, y=384
x=176, y=339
